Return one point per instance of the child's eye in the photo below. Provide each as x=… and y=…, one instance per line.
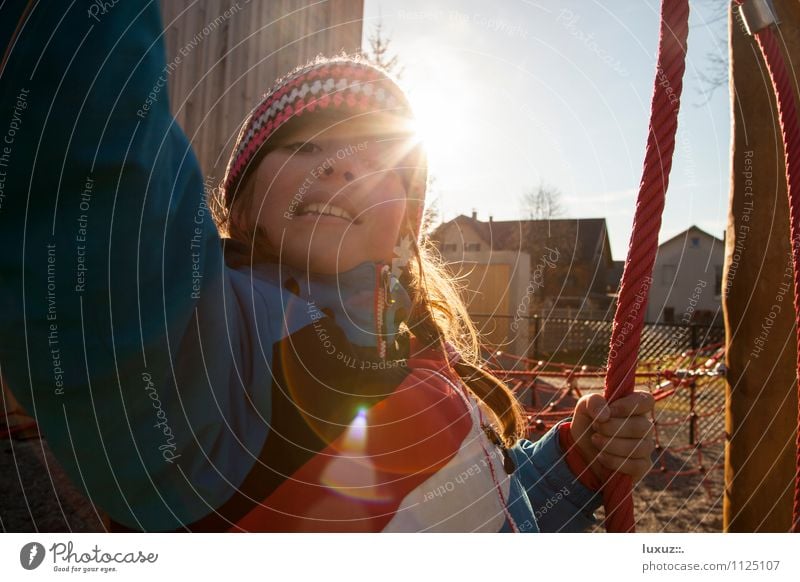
x=303, y=147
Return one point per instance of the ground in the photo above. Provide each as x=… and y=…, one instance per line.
x=29, y=478
x=676, y=496
x=29, y=475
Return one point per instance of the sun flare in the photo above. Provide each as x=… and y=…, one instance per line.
x=440, y=125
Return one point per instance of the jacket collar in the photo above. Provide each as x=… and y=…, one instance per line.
x=367, y=302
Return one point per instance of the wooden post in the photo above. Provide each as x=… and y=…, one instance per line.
x=223, y=55
x=761, y=407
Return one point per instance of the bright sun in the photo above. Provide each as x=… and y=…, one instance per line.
x=440, y=125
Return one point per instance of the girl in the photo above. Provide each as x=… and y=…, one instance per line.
x=319, y=375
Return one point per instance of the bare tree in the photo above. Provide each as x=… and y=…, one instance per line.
x=715, y=74
x=541, y=202
x=379, y=52
x=431, y=216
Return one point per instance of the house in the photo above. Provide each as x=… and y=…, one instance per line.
x=687, y=279
x=518, y=268
x=614, y=275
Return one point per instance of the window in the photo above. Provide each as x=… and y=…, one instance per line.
x=449, y=247
x=669, y=314
x=695, y=242
x=717, y=280
x=472, y=247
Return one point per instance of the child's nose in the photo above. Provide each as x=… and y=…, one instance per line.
x=347, y=174
x=350, y=168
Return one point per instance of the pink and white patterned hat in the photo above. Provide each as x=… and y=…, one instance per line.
x=341, y=86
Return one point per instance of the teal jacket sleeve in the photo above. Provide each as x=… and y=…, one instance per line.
x=559, y=501
x=120, y=327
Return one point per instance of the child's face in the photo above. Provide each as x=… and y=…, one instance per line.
x=328, y=196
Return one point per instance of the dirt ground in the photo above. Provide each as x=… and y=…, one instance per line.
x=29, y=480
x=676, y=496
x=678, y=504
x=29, y=475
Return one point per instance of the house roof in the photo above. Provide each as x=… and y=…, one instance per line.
x=692, y=229
x=584, y=237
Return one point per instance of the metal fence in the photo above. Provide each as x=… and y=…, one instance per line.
x=586, y=341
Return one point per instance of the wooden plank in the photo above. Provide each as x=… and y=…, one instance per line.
x=216, y=55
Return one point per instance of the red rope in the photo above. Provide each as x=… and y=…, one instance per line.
x=636, y=277
x=790, y=130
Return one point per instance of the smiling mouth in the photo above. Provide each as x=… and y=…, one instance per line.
x=317, y=209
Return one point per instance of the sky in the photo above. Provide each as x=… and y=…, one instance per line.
x=514, y=93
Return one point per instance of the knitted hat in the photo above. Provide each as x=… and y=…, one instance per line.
x=342, y=86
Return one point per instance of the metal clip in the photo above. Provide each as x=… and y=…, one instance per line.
x=757, y=15
x=387, y=286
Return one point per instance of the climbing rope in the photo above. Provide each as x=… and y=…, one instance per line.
x=761, y=22
x=637, y=274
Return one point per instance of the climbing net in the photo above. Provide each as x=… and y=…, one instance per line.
x=689, y=416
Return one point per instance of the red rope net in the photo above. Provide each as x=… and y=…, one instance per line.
x=689, y=416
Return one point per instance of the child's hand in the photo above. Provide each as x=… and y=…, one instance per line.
x=619, y=437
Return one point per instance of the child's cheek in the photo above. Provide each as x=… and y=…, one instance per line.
x=383, y=227
x=391, y=218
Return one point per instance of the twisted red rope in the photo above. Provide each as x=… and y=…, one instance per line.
x=637, y=275
x=790, y=130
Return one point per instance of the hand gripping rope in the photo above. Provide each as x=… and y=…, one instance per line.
x=637, y=275
x=761, y=22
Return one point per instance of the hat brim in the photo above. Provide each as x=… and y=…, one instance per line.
x=374, y=122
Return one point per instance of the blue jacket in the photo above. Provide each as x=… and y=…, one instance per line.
x=181, y=393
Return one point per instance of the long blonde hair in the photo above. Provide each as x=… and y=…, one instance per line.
x=439, y=316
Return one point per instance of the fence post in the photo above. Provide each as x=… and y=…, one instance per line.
x=535, y=343
x=692, y=413
x=693, y=389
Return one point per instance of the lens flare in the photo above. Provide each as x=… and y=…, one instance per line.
x=351, y=473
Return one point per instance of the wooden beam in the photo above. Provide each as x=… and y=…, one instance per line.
x=228, y=53
x=761, y=410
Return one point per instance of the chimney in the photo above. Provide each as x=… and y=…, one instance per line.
x=474, y=214
x=491, y=219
